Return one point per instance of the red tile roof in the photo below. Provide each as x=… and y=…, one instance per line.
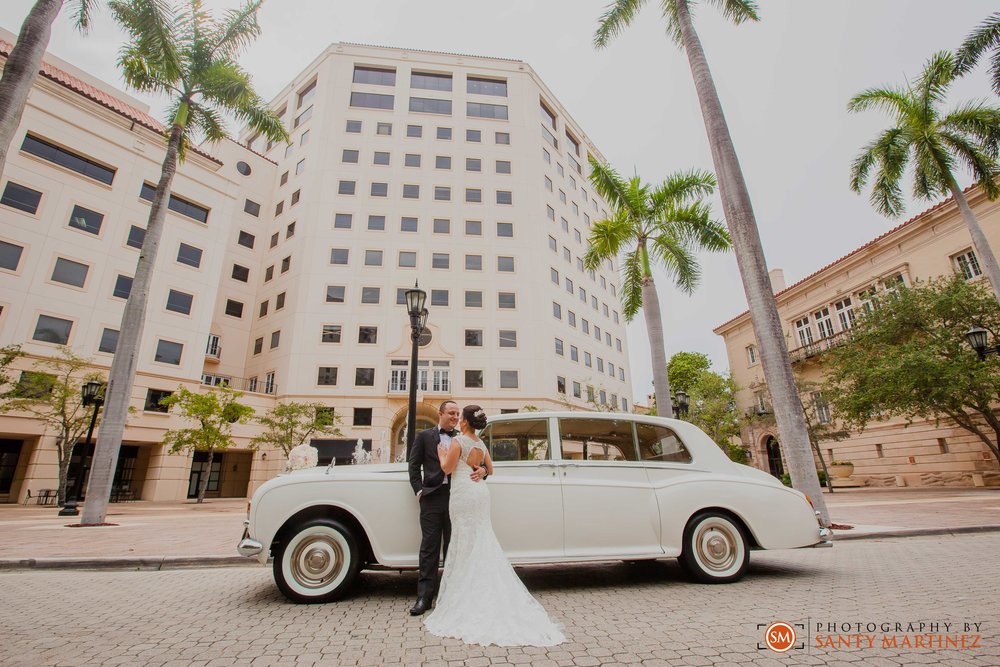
x=104, y=99
x=875, y=240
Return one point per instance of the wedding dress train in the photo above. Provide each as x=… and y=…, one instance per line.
x=481, y=599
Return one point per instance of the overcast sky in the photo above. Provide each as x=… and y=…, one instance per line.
x=784, y=84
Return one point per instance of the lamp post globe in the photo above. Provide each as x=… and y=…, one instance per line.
x=977, y=338
x=415, y=300
x=91, y=393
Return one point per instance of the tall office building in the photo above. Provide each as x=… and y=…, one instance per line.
x=283, y=267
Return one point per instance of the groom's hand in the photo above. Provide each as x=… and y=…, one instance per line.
x=478, y=474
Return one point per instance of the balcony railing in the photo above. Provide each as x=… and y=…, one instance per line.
x=804, y=352
x=252, y=385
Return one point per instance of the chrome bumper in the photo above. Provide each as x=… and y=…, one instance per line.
x=248, y=547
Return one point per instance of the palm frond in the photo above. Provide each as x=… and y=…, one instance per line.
x=237, y=30
x=208, y=122
x=694, y=226
x=150, y=25
x=82, y=11
x=986, y=36
x=607, y=239
x=616, y=17
x=138, y=72
x=928, y=181
x=676, y=260
x=938, y=74
x=631, y=292
x=737, y=11
x=615, y=190
x=685, y=186
x=984, y=168
x=979, y=120
x=895, y=101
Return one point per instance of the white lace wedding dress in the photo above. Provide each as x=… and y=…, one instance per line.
x=481, y=599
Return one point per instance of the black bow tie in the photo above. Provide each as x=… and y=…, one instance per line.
x=451, y=434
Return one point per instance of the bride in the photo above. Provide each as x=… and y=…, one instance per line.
x=481, y=601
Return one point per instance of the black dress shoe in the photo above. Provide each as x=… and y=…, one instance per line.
x=422, y=605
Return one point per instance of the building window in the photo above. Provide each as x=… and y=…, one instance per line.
x=574, y=353
x=588, y=360
x=339, y=256
x=506, y=300
x=373, y=258
x=154, y=398
x=269, y=273
x=505, y=230
x=967, y=264
x=473, y=228
x=20, y=197
x=411, y=191
x=442, y=226
x=556, y=310
x=444, y=133
x=109, y=341
x=408, y=224
x=508, y=379
x=503, y=166
x=279, y=302
x=473, y=337
x=473, y=262
x=69, y=272
x=86, y=220
x=823, y=322
x=353, y=126
x=346, y=187
x=416, y=131
x=168, y=352
x=751, y=354
x=377, y=76
x=560, y=384
x=123, y=287
x=286, y=264
x=439, y=297
x=559, y=347
x=376, y=222
x=473, y=136
x=407, y=259
x=430, y=81
x=473, y=164
x=371, y=101
x=275, y=338
x=845, y=313
x=327, y=376
x=335, y=293
x=262, y=309
x=822, y=406
x=507, y=338
x=473, y=379
x=331, y=333
x=380, y=157
x=64, y=158
x=274, y=239
x=241, y=273
x=411, y=160
x=384, y=129
x=430, y=105
x=350, y=156
x=279, y=208
x=442, y=193
x=440, y=260
x=480, y=110
x=380, y=190
x=269, y=386
x=10, y=255
x=367, y=335
x=503, y=138
x=362, y=417
x=50, y=329
x=177, y=204
x=136, y=235
x=371, y=295
x=481, y=86
x=442, y=162
x=505, y=197
x=473, y=195
x=180, y=302
x=364, y=377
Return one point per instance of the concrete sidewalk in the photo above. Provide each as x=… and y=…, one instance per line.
x=152, y=535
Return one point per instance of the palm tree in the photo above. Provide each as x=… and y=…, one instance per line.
x=191, y=57
x=936, y=143
x=26, y=59
x=742, y=226
x=984, y=38
x=663, y=225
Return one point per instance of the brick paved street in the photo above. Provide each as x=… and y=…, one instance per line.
x=614, y=613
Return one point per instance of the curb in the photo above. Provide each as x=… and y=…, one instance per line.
x=839, y=536
x=150, y=563
x=159, y=563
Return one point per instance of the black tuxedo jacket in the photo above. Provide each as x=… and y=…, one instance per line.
x=425, y=466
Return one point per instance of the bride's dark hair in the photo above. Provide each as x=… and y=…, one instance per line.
x=475, y=415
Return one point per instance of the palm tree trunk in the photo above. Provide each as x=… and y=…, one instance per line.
x=21, y=69
x=987, y=260
x=122, y=376
x=654, y=332
x=753, y=271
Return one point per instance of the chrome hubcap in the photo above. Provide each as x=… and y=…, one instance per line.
x=717, y=545
x=316, y=561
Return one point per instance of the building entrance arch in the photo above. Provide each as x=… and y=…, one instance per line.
x=427, y=416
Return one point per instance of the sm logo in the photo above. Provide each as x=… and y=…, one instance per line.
x=779, y=637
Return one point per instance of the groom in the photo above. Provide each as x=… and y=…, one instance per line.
x=432, y=491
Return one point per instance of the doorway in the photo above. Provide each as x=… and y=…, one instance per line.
x=774, y=464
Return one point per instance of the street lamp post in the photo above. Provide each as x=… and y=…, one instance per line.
x=92, y=393
x=415, y=300
x=681, y=404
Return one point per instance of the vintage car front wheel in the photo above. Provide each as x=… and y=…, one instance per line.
x=317, y=561
x=715, y=548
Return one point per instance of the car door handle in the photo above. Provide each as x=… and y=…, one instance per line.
x=570, y=465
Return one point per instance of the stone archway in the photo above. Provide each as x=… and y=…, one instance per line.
x=427, y=416
x=772, y=451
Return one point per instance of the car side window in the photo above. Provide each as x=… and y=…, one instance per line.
x=518, y=440
x=659, y=443
x=597, y=439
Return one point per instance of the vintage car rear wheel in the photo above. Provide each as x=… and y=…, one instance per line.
x=318, y=561
x=715, y=548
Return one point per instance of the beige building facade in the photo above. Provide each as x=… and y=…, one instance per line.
x=819, y=311
x=281, y=268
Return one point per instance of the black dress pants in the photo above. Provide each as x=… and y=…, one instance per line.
x=435, y=526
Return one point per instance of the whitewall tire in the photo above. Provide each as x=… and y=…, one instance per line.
x=715, y=548
x=318, y=562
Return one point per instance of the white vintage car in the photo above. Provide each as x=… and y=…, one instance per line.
x=567, y=487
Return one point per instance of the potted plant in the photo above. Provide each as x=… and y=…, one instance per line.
x=841, y=469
